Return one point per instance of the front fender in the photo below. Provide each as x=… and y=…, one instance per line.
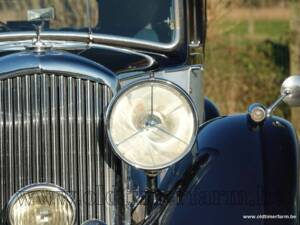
x=250, y=171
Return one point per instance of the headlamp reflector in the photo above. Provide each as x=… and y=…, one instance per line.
x=41, y=204
x=152, y=124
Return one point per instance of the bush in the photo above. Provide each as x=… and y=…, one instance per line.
x=238, y=75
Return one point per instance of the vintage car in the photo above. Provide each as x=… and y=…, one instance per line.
x=103, y=120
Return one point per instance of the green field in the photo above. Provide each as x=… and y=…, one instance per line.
x=272, y=29
x=247, y=65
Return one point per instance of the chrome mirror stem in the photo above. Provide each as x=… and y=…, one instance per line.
x=258, y=113
x=276, y=104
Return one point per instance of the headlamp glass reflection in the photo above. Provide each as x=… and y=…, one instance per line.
x=38, y=207
x=152, y=125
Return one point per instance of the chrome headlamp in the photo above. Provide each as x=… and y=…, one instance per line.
x=152, y=124
x=41, y=204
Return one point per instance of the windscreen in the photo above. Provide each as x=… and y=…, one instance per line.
x=150, y=20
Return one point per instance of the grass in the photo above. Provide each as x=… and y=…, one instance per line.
x=247, y=67
x=274, y=29
x=246, y=61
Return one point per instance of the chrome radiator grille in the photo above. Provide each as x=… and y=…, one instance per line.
x=52, y=130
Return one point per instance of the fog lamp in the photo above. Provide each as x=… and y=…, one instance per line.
x=41, y=204
x=152, y=124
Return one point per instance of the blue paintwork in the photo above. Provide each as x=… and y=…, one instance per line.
x=210, y=110
x=21, y=63
x=241, y=169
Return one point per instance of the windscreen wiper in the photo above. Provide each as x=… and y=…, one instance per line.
x=3, y=26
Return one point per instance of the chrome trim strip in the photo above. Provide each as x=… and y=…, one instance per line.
x=108, y=173
x=81, y=137
x=89, y=117
x=27, y=130
x=46, y=126
x=18, y=145
x=73, y=156
x=54, y=128
x=9, y=133
x=63, y=137
x=99, y=155
x=2, y=148
x=36, y=132
x=117, y=41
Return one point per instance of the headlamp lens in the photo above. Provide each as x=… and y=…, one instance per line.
x=38, y=206
x=152, y=125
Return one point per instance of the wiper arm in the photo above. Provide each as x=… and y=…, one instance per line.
x=3, y=25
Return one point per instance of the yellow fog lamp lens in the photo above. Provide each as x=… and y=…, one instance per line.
x=41, y=205
x=152, y=124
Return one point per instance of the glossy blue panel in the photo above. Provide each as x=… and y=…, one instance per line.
x=55, y=61
x=251, y=170
x=210, y=110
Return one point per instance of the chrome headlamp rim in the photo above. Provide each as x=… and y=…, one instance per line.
x=40, y=187
x=141, y=82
